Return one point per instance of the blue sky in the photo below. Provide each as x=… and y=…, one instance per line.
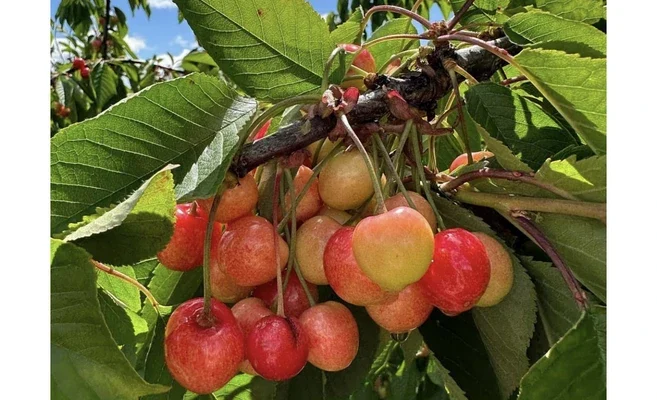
x=162, y=33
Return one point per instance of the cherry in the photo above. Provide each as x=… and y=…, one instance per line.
x=96, y=44
x=363, y=60
x=459, y=272
x=203, y=355
x=344, y=275
x=277, y=347
x=185, y=249
x=235, y=202
x=393, y=66
x=339, y=216
x=222, y=286
x=84, y=73
x=79, y=63
x=394, y=249
x=332, y=335
x=463, y=158
x=295, y=300
x=312, y=237
x=422, y=205
x=262, y=131
x=345, y=183
x=327, y=147
x=310, y=203
x=408, y=311
x=246, y=251
x=248, y=312
x=501, y=271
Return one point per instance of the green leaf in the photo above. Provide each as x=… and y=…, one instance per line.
x=575, y=86
x=308, y=384
x=574, y=368
x=104, y=81
x=121, y=291
x=588, y=11
x=556, y=306
x=439, y=375
x=174, y=287
x=101, y=160
x=155, y=369
x=517, y=122
x=482, y=11
x=85, y=361
x=247, y=387
x=542, y=28
x=271, y=49
x=506, y=328
x=403, y=384
x=382, y=51
x=148, y=214
x=144, y=270
x=350, y=30
x=586, y=179
x=128, y=329
x=412, y=345
x=445, y=8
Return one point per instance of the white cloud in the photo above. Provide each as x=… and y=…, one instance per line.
x=136, y=43
x=166, y=60
x=180, y=41
x=161, y=4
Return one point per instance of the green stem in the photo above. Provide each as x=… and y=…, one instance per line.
x=398, y=157
x=380, y=206
x=510, y=204
x=293, y=217
x=280, y=307
x=327, y=67
x=422, y=177
x=207, y=245
x=459, y=103
x=392, y=170
x=318, y=150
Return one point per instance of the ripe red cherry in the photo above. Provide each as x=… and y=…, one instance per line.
x=332, y=335
x=295, y=300
x=311, y=242
x=96, y=44
x=363, y=60
x=203, y=356
x=408, y=311
x=344, y=275
x=463, y=158
x=248, y=312
x=246, y=251
x=79, y=63
x=185, y=249
x=84, y=72
x=459, y=273
x=277, y=347
x=235, y=202
x=262, y=131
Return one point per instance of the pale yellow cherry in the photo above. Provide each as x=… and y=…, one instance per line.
x=312, y=237
x=327, y=147
x=501, y=271
x=421, y=204
x=345, y=183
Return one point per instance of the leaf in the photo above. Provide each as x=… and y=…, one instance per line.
x=308, y=384
x=101, y=160
x=575, y=86
x=382, y=51
x=542, y=28
x=575, y=367
x=104, y=81
x=586, y=179
x=174, y=287
x=147, y=215
x=350, y=30
x=588, y=11
x=556, y=306
x=412, y=345
x=506, y=328
x=517, y=122
x=128, y=329
x=403, y=384
x=439, y=375
x=85, y=361
x=482, y=11
x=121, y=291
x=144, y=270
x=273, y=50
x=247, y=387
x=155, y=369
x=207, y=174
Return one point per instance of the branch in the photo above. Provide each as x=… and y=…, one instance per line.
x=106, y=28
x=418, y=89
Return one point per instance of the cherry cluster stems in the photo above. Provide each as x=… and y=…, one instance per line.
x=207, y=246
x=280, y=310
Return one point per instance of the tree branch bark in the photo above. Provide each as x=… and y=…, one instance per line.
x=417, y=88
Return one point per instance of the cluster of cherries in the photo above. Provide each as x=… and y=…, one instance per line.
x=390, y=263
x=80, y=64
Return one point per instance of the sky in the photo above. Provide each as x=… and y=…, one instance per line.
x=161, y=33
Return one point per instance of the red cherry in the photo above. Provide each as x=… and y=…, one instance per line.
x=203, y=356
x=185, y=249
x=79, y=63
x=262, y=131
x=295, y=300
x=463, y=158
x=96, y=44
x=248, y=312
x=459, y=273
x=277, y=347
x=363, y=60
x=235, y=202
x=408, y=311
x=84, y=72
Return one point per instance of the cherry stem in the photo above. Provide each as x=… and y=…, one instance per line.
x=293, y=217
x=280, y=310
x=111, y=271
x=318, y=150
x=515, y=79
x=398, y=10
x=459, y=105
x=380, y=206
x=398, y=160
x=452, y=23
x=421, y=175
x=535, y=233
x=523, y=203
x=327, y=67
x=391, y=169
x=304, y=284
x=318, y=168
x=501, y=53
x=523, y=177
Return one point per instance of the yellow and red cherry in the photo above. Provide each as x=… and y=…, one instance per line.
x=295, y=300
x=459, y=273
x=235, y=202
x=345, y=183
x=501, y=271
x=332, y=335
x=310, y=203
x=277, y=347
x=201, y=354
x=247, y=251
x=394, y=249
x=408, y=311
x=345, y=276
x=248, y=312
x=421, y=204
x=463, y=158
x=312, y=237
